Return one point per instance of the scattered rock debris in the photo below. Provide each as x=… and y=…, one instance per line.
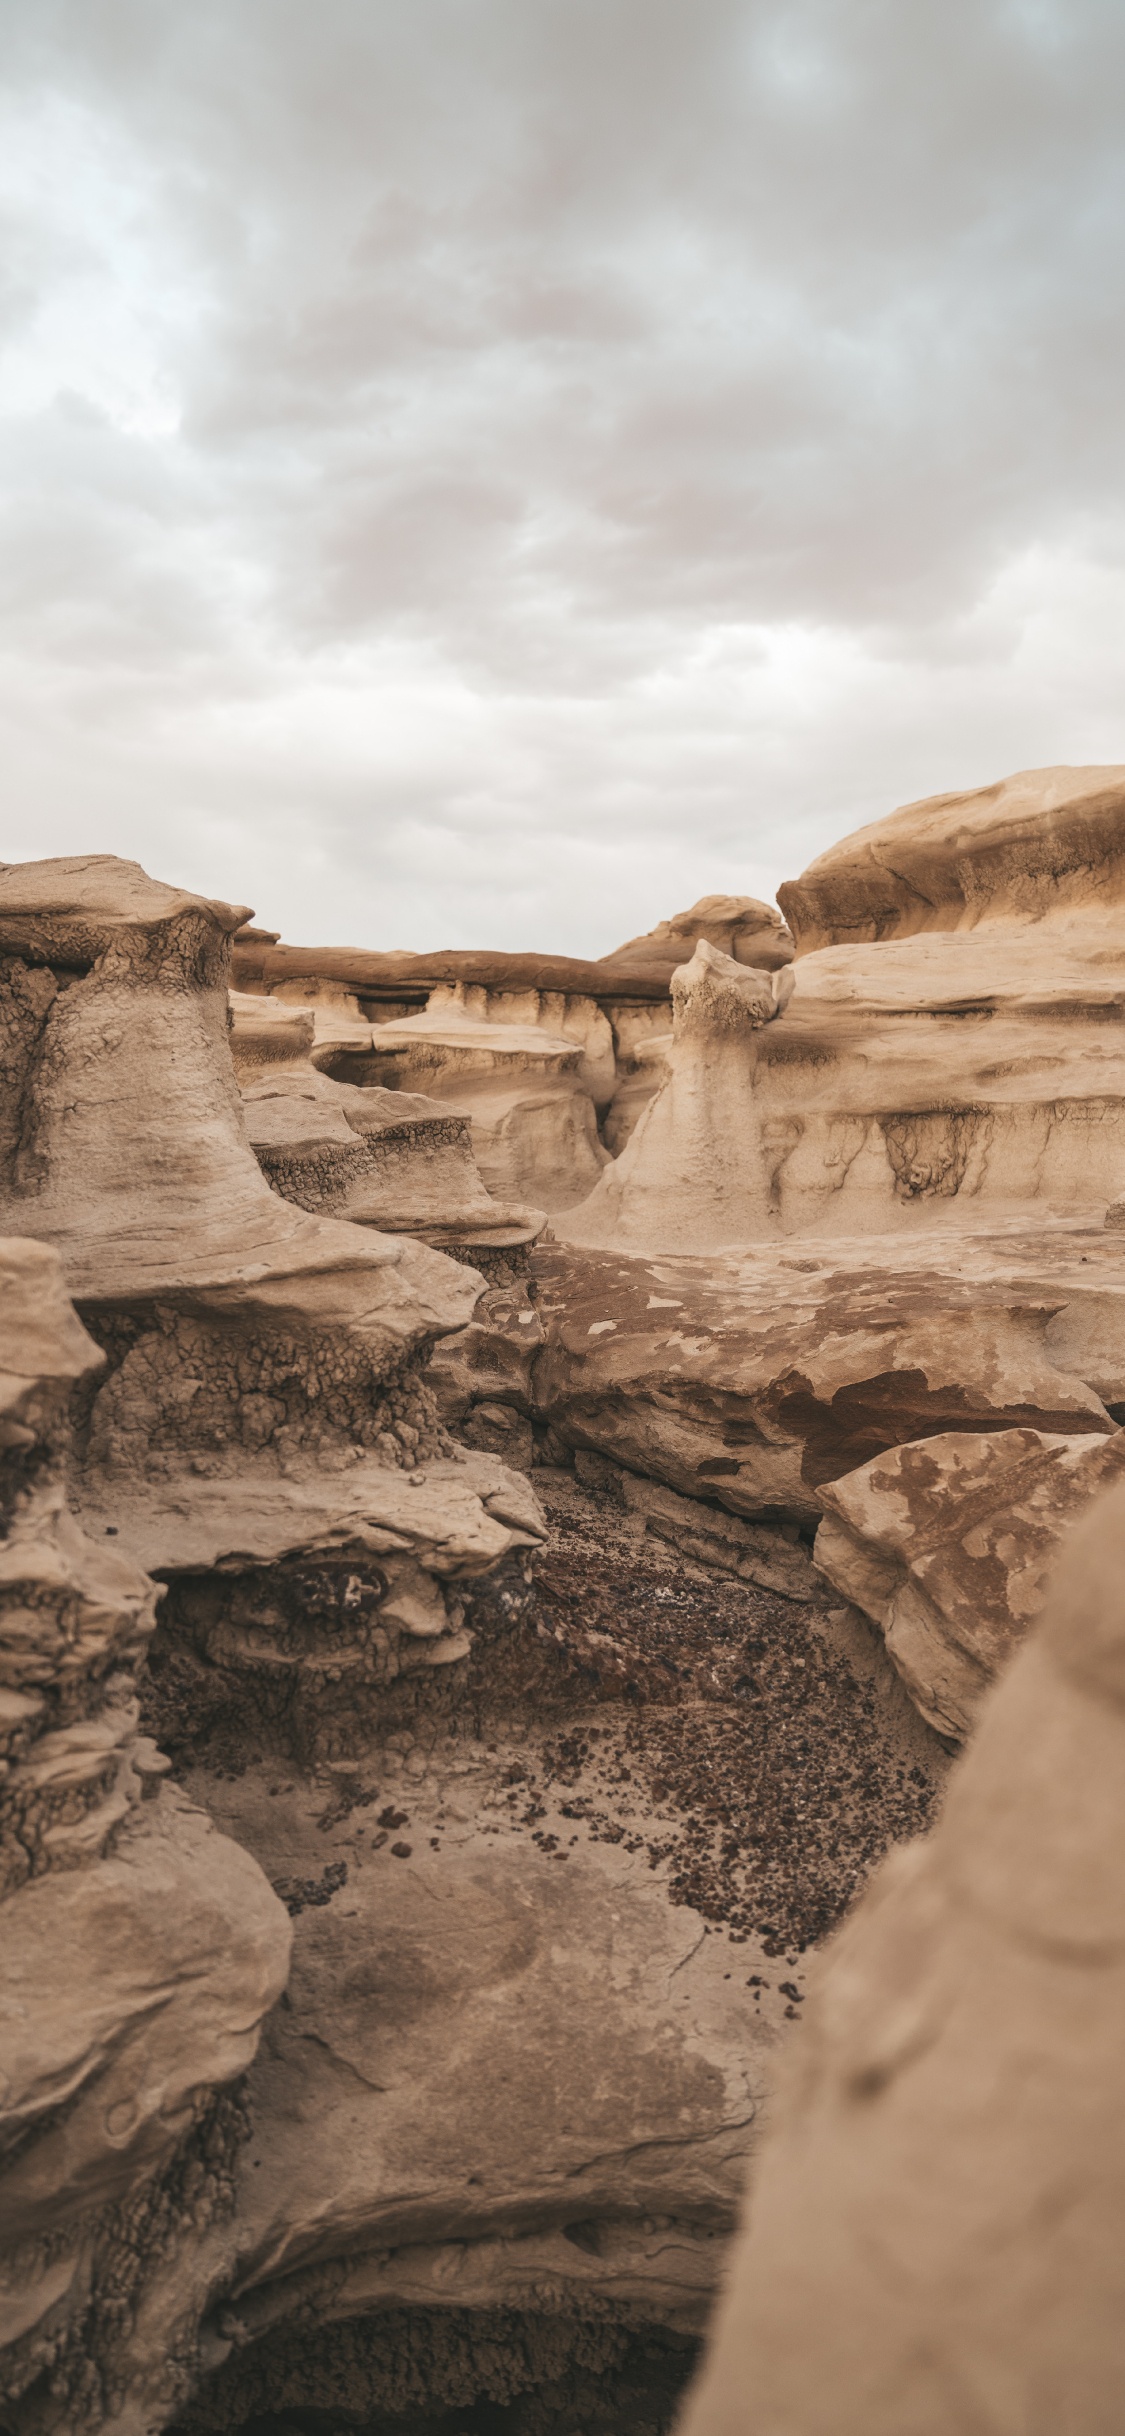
x=309, y=1894
x=451, y=2372
x=723, y=1734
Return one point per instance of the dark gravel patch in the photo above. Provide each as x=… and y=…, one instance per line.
x=718, y=1731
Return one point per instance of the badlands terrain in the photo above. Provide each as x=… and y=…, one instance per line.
x=522, y=1481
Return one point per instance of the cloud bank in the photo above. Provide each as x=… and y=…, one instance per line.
x=490, y=471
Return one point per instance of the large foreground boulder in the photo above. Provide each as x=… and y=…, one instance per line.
x=936, y=2238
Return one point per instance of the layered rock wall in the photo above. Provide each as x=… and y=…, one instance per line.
x=141, y=1950
x=547, y=1057
x=951, y=1056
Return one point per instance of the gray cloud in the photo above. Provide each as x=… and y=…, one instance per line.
x=481, y=471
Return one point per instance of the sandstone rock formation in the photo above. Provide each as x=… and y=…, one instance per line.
x=551, y=1058
x=389, y=1159
x=758, y=1379
x=532, y=1071
x=947, y=1544
x=259, y=1437
x=469, y=1571
x=264, y=1394
x=951, y=1054
x=1046, y=846
x=531, y=1048
x=739, y=927
x=144, y=1181
x=141, y=1950
x=934, y=2237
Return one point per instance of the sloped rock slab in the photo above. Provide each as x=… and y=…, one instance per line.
x=457, y=1517
x=757, y=1378
x=493, y=2082
x=948, y=1545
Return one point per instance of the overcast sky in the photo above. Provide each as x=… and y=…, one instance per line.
x=491, y=471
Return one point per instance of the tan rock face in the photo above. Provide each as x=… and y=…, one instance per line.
x=141, y=1950
x=934, y=2237
x=759, y=1379
x=515, y=1077
x=948, y=1544
x=951, y=1053
x=254, y=1429
x=263, y=1394
x=529, y=1068
x=740, y=927
x=492, y=1038
x=1030, y=848
x=394, y=1160
x=145, y=1181
x=829, y=1258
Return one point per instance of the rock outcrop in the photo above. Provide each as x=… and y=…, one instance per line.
x=141, y=1175
x=739, y=927
x=951, y=1054
x=394, y=1160
x=947, y=1544
x=562, y=1631
x=550, y=1058
x=517, y=1074
x=141, y=1950
x=404, y=1754
x=934, y=2237
x=1044, y=847
x=531, y=1069
x=264, y=1394
x=757, y=1380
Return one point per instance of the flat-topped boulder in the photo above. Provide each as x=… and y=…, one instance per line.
x=84, y=901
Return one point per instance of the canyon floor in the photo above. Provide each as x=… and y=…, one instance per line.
x=580, y=1893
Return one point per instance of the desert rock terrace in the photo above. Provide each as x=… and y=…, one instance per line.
x=518, y=1479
